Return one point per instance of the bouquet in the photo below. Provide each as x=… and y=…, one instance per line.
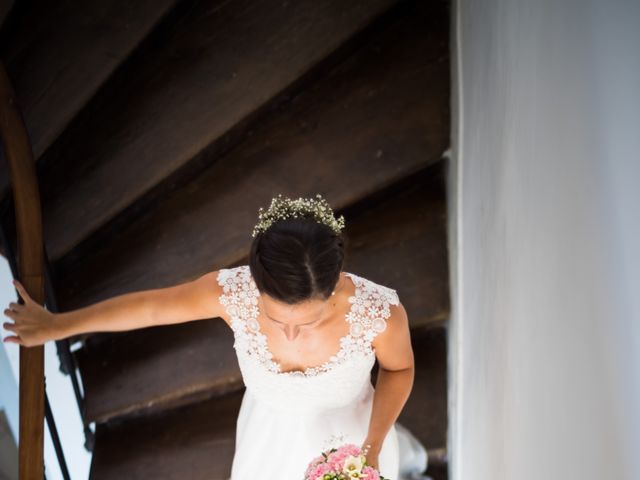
x=343, y=463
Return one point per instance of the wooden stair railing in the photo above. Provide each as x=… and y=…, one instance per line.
x=30, y=262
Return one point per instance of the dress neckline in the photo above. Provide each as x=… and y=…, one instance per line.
x=366, y=317
x=314, y=370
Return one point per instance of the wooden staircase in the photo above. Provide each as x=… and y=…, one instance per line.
x=160, y=128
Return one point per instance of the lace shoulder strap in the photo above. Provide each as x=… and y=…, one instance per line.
x=239, y=297
x=370, y=310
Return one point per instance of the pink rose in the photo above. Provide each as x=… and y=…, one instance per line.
x=319, y=470
x=372, y=473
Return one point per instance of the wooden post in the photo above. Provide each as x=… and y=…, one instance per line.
x=30, y=263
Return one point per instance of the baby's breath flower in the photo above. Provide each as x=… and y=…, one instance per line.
x=285, y=207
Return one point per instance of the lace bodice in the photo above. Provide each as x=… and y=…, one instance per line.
x=343, y=374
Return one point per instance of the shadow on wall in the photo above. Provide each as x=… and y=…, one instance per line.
x=8, y=449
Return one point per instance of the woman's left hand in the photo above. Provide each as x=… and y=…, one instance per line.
x=372, y=455
x=372, y=460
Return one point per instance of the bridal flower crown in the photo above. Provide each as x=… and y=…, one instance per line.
x=285, y=207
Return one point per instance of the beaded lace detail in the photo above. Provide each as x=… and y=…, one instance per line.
x=368, y=315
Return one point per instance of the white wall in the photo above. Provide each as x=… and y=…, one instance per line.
x=545, y=332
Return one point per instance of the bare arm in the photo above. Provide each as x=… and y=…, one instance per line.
x=395, y=379
x=192, y=300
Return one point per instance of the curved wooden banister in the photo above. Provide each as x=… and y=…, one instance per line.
x=30, y=261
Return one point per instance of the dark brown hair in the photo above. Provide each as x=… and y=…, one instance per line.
x=297, y=259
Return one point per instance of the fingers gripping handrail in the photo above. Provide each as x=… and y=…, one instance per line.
x=30, y=258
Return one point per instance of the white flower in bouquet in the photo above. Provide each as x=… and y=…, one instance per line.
x=353, y=466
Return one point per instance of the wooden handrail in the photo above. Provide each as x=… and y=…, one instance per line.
x=30, y=262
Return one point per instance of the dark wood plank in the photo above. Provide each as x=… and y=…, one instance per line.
x=155, y=368
x=132, y=373
x=5, y=8
x=58, y=54
x=210, y=71
x=195, y=442
x=376, y=118
x=400, y=240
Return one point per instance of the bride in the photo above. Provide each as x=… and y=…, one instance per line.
x=306, y=335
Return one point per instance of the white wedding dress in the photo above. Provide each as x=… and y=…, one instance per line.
x=287, y=418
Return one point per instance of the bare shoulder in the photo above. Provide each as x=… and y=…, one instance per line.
x=393, y=345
